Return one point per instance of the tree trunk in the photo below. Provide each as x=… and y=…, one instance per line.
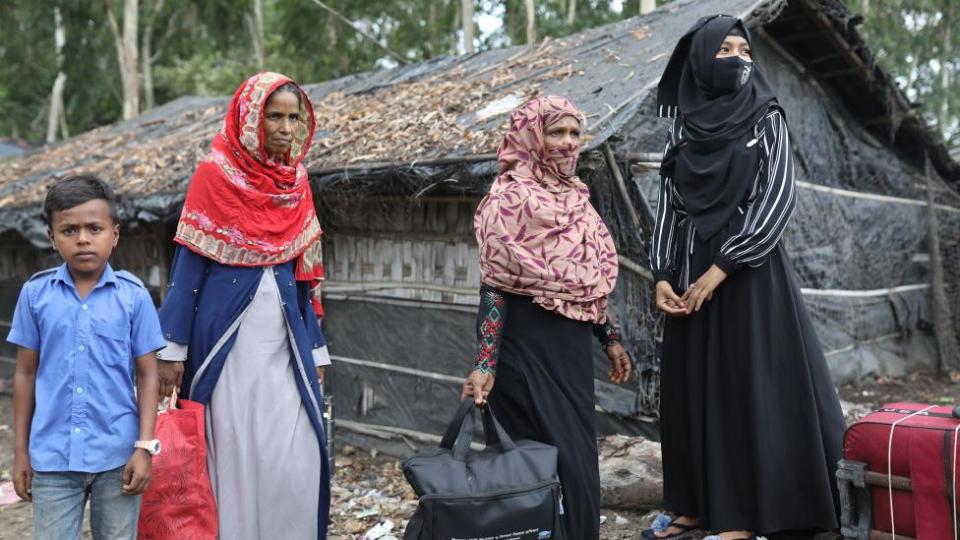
x=571, y=12
x=147, y=56
x=131, y=83
x=127, y=53
x=55, y=118
x=510, y=23
x=646, y=6
x=64, y=131
x=946, y=48
x=531, y=17
x=865, y=8
x=255, y=25
x=466, y=13
x=431, y=45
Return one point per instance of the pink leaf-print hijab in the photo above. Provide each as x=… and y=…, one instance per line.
x=538, y=233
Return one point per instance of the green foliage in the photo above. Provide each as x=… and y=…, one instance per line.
x=911, y=41
x=206, y=47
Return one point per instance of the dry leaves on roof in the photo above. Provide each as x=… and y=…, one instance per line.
x=135, y=161
x=431, y=117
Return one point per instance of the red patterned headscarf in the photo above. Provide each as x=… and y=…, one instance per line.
x=244, y=209
x=538, y=233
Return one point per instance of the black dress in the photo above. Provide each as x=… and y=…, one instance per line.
x=751, y=423
x=544, y=391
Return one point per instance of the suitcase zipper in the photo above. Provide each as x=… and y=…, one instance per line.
x=492, y=494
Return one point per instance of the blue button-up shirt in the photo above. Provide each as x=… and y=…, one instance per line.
x=86, y=417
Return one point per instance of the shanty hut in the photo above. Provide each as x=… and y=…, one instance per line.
x=402, y=157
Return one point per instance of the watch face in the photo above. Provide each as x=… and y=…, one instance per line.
x=153, y=447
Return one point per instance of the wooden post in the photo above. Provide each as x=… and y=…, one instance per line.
x=621, y=185
x=948, y=351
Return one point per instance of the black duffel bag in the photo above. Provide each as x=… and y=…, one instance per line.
x=507, y=491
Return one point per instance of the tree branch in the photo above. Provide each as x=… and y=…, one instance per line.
x=114, y=29
x=397, y=56
x=171, y=28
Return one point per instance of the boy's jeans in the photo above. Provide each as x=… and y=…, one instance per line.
x=59, y=498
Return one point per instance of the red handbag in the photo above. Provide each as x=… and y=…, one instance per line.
x=179, y=502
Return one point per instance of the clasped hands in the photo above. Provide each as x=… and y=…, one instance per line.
x=697, y=294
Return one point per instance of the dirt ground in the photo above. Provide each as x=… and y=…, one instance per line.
x=369, y=490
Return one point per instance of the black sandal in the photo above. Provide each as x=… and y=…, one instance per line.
x=663, y=522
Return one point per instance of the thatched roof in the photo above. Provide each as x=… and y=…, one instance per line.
x=454, y=110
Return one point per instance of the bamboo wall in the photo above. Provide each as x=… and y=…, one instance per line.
x=425, y=252
x=144, y=251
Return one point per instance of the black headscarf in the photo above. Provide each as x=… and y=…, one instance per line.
x=719, y=101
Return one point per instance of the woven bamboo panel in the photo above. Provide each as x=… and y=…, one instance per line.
x=401, y=268
x=141, y=253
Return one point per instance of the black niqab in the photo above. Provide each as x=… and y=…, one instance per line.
x=719, y=101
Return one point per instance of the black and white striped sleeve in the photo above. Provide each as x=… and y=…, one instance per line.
x=767, y=217
x=663, y=243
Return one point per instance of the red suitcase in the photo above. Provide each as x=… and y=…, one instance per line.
x=898, y=479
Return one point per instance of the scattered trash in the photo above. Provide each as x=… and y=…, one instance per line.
x=379, y=531
x=7, y=494
x=499, y=106
x=603, y=519
x=620, y=520
x=375, y=511
x=368, y=492
x=854, y=411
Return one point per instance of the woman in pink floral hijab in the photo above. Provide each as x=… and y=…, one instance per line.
x=548, y=266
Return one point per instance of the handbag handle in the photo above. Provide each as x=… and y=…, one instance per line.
x=171, y=404
x=459, y=432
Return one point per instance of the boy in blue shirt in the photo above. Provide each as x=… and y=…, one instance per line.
x=85, y=335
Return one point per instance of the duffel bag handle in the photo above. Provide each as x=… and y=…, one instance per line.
x=453, y=428
x=505, y=441
x=459, y=432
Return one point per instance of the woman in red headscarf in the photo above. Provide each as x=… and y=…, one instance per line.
x=548, y=266
x=240, y=316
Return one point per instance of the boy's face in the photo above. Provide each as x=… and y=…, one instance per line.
x=85, y=236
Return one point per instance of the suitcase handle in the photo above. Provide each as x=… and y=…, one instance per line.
x=460, y=430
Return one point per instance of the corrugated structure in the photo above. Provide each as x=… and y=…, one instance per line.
x=402, y=156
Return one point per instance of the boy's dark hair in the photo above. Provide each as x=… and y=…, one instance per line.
x=76, y=190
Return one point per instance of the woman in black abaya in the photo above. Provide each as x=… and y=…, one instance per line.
x=751, y=424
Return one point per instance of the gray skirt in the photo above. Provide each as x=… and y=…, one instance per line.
x=264, y=456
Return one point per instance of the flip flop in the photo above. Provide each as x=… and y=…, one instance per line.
x=663, y=522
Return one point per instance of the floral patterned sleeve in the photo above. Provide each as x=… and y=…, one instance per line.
x=490, y=320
